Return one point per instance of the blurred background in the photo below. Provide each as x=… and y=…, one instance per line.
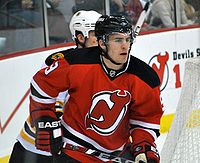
x=29, y=24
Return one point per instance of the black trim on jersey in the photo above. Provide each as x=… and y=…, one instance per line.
x=49, y=59
x=27, y=129
x=84, y=56
x=91, y=55
x=37, y=94
x=112, y=74
x=143, y=71
x=70, y=136
x=154, y=130
x=43, y=109
x=136, y=66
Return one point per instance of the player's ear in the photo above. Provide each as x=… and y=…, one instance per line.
x=101, y=44
x=81, y=38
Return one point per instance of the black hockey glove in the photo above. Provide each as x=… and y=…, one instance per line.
x=48, y=135
x=145, y=152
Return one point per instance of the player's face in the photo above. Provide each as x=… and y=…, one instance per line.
x=91, y=40
x=118, y=47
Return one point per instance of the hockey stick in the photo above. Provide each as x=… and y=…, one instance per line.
x=115, y=158
x=140, y=20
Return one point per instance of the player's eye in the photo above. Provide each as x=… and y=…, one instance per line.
x=128, y=39
x=121, y=40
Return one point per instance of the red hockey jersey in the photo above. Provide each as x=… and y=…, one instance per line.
x=105, y=105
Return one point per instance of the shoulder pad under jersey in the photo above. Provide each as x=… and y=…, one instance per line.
x=61, y=54
x=143, y=71
x=89, y=55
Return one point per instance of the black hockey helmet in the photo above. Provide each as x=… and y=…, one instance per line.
x=107, y=25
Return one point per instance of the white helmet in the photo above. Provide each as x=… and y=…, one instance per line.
x=83, y=21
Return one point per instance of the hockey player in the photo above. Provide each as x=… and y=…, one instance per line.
x=112, y=96
x=82, y=27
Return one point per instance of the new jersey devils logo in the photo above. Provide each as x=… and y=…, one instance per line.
x=107, y=111
x=161, y=69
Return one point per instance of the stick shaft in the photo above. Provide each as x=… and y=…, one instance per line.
x=141, y=19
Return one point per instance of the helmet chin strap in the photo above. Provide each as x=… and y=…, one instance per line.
x=80, y=43
x=106, y=55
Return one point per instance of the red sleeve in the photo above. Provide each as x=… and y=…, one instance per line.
x=147, y=106
x=146, y=110
x=53, y=79
x=45, y=87
x=139, y=135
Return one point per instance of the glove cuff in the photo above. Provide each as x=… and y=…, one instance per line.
x=139, y=135
x=44, y=115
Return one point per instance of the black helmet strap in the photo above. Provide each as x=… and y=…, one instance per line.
x=79, y=43
x=77, y=40
x=105, y=52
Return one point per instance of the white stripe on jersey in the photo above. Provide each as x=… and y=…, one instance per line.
x=45, y=101
x=89, y=140
x=30, y=147
x=39, y=90
x=144, y=124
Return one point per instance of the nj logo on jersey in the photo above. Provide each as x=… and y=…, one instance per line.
x=107, y=111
